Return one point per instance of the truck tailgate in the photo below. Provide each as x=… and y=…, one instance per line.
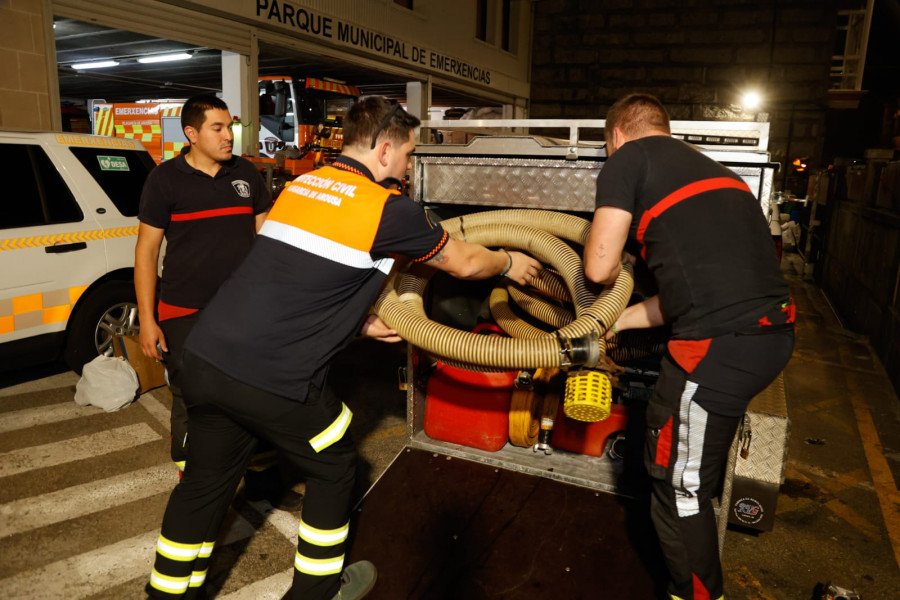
x=442, y=527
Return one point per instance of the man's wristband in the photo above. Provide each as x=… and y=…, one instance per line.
x=508, y=265
x=613, y=329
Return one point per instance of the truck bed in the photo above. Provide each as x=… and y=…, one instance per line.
x=444, y=527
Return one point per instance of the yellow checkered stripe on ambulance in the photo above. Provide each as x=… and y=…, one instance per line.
x=143, y=133
x=38, y=241
x=32, y=310
x=172, y=149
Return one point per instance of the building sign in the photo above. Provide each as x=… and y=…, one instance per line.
x=286, y=14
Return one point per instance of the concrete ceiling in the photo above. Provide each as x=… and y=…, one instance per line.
x=79, y=42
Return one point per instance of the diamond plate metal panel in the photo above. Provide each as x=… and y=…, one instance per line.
x=510, y=182
x=518, y=182
x=771, y=429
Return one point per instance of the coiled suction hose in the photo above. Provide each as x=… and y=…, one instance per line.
x=541, y=234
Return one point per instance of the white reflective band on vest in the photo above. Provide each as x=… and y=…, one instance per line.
x=334, y=432
x=328, y=249
x=176, y=551
x=322, y=537
x=170, y=585
x=320, y=566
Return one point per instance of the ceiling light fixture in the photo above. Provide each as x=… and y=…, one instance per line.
x=164, y=58
x=100, y=64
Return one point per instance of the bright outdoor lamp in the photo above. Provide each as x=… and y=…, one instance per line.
x=751, y=100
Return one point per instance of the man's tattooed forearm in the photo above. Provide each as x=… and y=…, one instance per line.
x=438, y=258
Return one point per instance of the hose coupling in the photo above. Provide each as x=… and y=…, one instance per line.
x=580, y=351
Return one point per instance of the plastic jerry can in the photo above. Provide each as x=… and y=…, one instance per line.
x=468, y=407
x=587, y=438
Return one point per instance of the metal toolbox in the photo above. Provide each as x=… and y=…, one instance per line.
x=759, y=465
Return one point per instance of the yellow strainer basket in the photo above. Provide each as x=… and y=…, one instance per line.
x=588, y=396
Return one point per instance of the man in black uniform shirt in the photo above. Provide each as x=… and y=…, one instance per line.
x=706, y=242
x=208, y=204
x=257, y=360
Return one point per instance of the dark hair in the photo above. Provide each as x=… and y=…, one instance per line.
x=372, y=116
x=193, y=112
x=636, y=115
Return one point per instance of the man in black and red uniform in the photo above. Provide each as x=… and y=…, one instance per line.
x=207, y=203
x=256, y=362
x=707, y=244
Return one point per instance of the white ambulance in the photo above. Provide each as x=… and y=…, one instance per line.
x=68, y=226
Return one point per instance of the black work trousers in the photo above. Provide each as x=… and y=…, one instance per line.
x=176, y=332
x=692, y=419
x=263, y=474
x=225, y=418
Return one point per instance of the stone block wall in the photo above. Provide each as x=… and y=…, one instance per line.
x=697, y=56
x=859, y=263
x=24, y=69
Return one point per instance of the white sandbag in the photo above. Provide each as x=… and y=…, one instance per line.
x=107, y=382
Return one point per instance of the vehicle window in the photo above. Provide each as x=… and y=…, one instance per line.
x=336, y=108
x=311, y=110
x=121, y=174
x=41, y=196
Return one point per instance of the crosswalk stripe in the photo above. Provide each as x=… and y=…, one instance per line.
x=284, y=522
x=85, y=574
x=88, y=574
x=60, y=380
x=270, y=588
x=92, y=572
x=88, y=498
x=88, y=446
x=156, y=408
x=239, y=529
x=53, y=413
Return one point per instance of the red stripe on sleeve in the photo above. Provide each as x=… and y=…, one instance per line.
x=437, y=249
x=214, y=212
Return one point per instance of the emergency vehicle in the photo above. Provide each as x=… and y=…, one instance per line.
x=513, y=481
x=67, y=238
x=303, y=113
x=157, y=125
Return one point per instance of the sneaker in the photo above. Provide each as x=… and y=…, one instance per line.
x=357, y=580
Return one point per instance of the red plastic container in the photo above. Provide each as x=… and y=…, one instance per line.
x=587, y=438
x=469, y=408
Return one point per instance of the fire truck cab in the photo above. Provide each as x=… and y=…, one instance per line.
x=303, y=113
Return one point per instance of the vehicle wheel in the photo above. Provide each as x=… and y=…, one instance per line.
x=109, y=310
